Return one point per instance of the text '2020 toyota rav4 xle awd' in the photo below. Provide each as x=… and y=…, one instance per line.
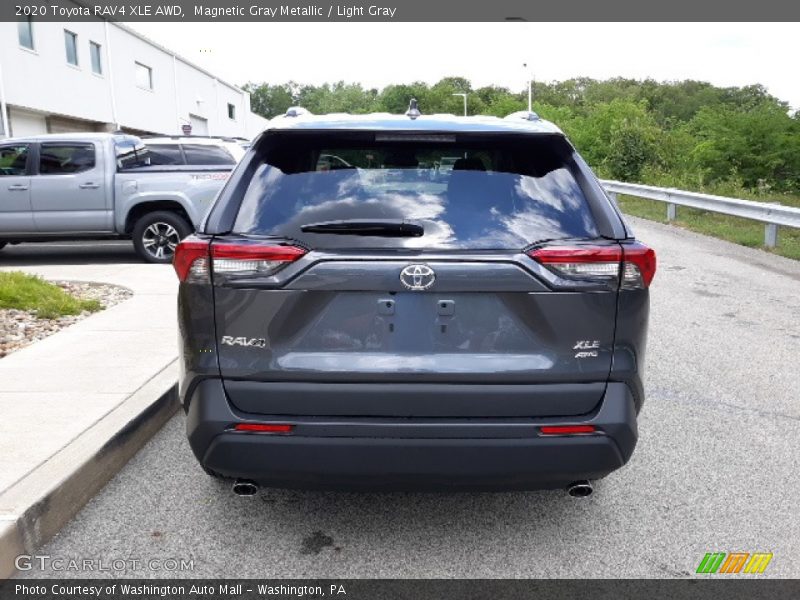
x=353, y=315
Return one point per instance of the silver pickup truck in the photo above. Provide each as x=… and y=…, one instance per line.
x=100, y=185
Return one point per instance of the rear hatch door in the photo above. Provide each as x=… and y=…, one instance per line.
x=362, y=280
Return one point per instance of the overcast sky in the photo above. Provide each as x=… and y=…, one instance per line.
x=376, y=54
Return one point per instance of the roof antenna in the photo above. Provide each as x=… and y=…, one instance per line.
x=413, y=112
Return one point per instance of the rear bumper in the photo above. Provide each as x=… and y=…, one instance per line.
x=392, y=453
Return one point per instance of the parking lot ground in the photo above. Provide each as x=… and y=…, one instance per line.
x=715, y=468
x=69, y=253
x=56, y=390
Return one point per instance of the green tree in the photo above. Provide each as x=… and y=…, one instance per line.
x=682, y=133
x=395, y=98
x=758, y=145
x=619, y=137
x=337, y=97
x=270, y=100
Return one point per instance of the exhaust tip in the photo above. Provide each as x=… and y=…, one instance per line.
x=245, y=487
x=580, y=489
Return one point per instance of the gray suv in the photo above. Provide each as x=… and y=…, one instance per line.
x=360, y=322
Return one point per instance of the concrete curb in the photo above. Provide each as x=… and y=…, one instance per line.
x=35, y=508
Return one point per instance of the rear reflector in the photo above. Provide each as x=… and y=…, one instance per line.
x=264, y=427
x=566, y=429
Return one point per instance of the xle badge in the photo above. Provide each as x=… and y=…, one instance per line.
x=587, y=348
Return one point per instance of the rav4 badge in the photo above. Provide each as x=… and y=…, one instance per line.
x=229, y=340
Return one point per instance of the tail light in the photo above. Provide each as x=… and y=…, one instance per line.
x=634, y=262
x=191, y=259
x=581, y=261
x=251, y=258
x=639, y=267
x=195, y=258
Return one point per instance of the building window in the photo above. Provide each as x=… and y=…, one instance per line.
x=71, y=44
x=231, y=111
x=97, y=59
x=144, y=76
x=25, y=33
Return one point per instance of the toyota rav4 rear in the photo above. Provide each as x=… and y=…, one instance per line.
x=354, y=315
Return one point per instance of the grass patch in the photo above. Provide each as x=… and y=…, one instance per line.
x=31, y=293
x=733, y=229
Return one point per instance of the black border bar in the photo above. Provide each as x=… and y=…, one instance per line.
x=734, y=587
x=402, y=11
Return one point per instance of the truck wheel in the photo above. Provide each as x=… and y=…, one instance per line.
x=156, y=234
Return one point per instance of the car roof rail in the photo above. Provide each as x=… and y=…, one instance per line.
x=527, y=115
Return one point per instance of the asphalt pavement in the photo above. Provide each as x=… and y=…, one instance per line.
x=715, y=469
x=76, y=405
x=69, y=253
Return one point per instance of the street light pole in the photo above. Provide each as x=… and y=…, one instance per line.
x=463, y=95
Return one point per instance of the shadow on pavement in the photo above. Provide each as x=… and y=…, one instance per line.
x=69, y=253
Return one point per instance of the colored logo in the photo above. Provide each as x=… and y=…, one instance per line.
x=735, y=562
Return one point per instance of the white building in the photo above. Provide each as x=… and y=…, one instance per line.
x=102, y=76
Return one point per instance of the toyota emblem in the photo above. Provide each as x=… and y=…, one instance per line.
x=417, y=277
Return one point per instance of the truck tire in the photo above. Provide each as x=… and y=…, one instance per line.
x=156, y=234
x=3, y=245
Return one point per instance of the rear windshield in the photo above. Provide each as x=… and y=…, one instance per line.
x=493, y=193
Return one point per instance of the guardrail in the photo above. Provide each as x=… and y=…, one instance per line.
x=772, y=214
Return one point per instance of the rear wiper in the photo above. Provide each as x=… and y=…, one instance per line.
x=377, y=227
